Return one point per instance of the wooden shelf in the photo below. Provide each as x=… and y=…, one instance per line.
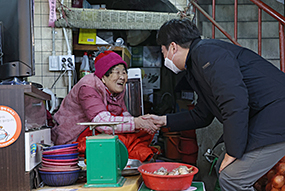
x=122, y=51
x=95, y=47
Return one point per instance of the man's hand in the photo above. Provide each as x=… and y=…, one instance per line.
x=227, y=160
x=159, y=121
x=145, y=124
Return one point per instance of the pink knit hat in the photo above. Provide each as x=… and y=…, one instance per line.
x=105, y=60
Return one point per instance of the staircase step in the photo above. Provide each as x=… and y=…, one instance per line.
x=270, y=47
x=245, y=29
x=279, y=7
x=245, y=13
x=247, y=25
x=224, y=2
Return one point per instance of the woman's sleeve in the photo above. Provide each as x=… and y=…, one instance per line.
x=126, y=113
x=106, y=116
x=95, y=109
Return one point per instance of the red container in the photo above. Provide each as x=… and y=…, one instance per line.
x=189, y=150
x=171, y=143
x=166, y=182
x=188, y=134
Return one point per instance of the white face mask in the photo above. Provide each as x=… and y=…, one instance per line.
x=170, y=65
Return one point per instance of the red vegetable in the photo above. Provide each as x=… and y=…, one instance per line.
x=281, y=168
x=275, y=189
x=278, y=181
x=283, y=188
x=268, y=187
x=270, y=174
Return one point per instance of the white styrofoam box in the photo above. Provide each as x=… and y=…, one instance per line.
x=33, y=151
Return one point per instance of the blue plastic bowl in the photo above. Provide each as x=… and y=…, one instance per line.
x=65, y=156
x=60, y=146
x=59, y=178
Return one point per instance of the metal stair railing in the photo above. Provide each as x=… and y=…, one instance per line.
x=261, y=6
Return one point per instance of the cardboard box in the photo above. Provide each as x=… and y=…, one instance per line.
x=87, y=36
x=151, y=78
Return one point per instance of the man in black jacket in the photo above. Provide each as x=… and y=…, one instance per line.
x=242, y=90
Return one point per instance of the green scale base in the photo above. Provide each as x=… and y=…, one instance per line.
x=106, y=157
x=120, y=183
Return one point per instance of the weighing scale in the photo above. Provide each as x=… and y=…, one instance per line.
x=106, y=157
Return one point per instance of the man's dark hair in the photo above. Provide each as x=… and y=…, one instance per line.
x=180, y=31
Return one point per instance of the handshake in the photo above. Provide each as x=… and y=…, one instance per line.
x=150, y=123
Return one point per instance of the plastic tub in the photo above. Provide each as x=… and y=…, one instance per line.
x=61, y=169
x=59, y=163
x=65, y=156
x=74, y=145
x=166, y=182
x=171, y=143
x=60, y=151
x=59, y=178
x=60, y=160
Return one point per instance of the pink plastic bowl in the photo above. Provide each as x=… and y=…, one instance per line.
x=60, y=160
x=59, y=163
x=166, y=182
x=60, y=151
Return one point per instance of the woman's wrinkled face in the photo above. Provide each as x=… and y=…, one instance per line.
x=117, y=79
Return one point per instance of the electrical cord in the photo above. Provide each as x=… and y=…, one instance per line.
x=71, y=65
x=60, y=75
x=74, y=75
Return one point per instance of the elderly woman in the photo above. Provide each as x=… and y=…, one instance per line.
x=99, y=97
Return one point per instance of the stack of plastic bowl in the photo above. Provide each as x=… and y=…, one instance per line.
x=60, y=165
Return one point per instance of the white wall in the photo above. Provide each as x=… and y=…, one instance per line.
x=43, y=48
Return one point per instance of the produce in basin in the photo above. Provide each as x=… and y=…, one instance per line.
x=177, y=171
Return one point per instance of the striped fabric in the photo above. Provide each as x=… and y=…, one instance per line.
x=106, y=116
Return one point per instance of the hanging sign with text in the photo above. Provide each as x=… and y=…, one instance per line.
x=52, y=13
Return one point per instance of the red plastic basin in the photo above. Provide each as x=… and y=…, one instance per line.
x=166, y=182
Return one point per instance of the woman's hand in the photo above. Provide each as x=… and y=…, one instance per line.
x=227, y=160
x=144, y=124
x=159, y=121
